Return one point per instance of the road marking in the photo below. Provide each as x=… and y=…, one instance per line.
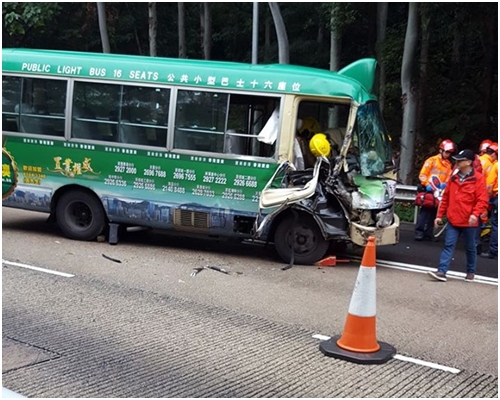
x=321, y=337
x=423, y=270
x=48, y=271
x=408, y=359
x=427, y=364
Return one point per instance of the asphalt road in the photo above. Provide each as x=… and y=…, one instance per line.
x=427, y=254
x=144, y=327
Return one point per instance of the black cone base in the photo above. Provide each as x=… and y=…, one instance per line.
x=385, y=353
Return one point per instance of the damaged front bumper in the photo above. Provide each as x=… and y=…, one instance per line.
x=359, y=234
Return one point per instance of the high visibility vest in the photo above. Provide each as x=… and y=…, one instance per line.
x=435, y=166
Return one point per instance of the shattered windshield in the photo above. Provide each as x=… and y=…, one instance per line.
x=374, y=144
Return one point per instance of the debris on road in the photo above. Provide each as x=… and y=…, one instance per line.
x=112, y=259
x=330, y=261
x=197, y=270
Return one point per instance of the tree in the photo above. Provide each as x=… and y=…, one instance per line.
x=379, y=49
x=206, y=30
x=335, y=39
x=408, y=97
x=425, y=19
x=283, y=47
x=101, y=13
x=24, y=19
x=153, y=23
x=181, y=29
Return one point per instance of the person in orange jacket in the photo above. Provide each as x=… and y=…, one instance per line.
x=433, y=176
x=492, y=188
x=484, y=158
x=486, y=165
x=463, y=202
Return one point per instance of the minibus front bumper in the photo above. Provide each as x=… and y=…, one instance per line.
x=359, y=234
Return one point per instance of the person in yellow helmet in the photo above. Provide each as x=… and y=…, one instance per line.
x=307, y=127
x=320, y=146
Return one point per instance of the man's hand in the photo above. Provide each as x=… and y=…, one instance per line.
x=438, y=222
x=473, y=220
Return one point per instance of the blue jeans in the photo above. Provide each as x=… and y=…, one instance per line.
x=450, y=241
x=494, y=226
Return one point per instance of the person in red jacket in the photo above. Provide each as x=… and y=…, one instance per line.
x=464, y=200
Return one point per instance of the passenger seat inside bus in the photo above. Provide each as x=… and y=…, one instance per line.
x=234, y=144
x=28, y=123
x=336, y=136
x=84, y=129
x=132, y=134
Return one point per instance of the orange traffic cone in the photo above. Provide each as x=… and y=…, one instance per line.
x=358, y=342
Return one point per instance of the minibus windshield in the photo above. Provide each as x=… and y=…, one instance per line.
x=374, y=144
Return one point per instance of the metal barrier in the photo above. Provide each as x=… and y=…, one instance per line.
x=406, y=193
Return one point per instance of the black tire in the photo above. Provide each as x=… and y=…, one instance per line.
x=309, y=244
x=80, y=215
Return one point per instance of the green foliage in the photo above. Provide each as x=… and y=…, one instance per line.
x=405, y=211
x=461, y=97
x=21, y=17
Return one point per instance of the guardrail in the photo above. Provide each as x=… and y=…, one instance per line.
x=407, y=193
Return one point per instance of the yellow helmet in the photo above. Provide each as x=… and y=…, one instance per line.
x=319, y=145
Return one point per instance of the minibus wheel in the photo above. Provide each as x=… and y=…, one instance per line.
x=80, y=215
x=309, y=244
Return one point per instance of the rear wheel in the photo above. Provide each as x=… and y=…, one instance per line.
x=80, y=215
x=308, y=243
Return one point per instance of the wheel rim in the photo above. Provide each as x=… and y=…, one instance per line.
x=79, y=215
x=305, y=240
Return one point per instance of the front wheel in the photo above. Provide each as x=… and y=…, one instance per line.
x=80, y=215
x=308, y=243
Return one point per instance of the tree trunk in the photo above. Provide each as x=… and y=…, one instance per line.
x=153, y=22
x=408, y=98
x=381, y=30
x=283, y=48
x=267, y=39
x=101, y=15
x=320, y=35
x=206, y=30
x=488, y=81
x=182, y=30
x=457, y=44
x=255, y=33
x=425, y=20
x=335, y=44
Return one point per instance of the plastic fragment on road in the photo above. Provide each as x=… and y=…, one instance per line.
x=330, y=261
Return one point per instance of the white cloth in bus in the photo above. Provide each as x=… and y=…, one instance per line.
x=298, y=161
x=269, y=133
x=336, y=136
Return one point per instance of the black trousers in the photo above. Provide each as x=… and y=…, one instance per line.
x=425, y=222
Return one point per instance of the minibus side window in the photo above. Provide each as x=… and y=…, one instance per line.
x=34, y=105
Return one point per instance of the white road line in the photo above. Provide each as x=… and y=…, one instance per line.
x=48, y=271
x=427, y=364
x=321, y=337
x=408, y=359
x=423, y=270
